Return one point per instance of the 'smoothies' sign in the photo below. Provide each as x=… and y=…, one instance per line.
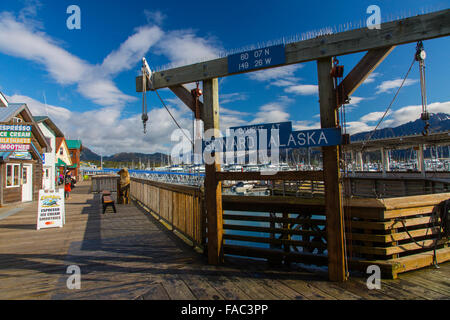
x=14, y=147
x=15, y=137
x=51, y=209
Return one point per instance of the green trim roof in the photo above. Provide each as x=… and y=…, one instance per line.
x=60, y=163
x=73, y=144
x=50, y=124
x=39, y=118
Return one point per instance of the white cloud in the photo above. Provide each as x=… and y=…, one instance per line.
x=372, y=117
x=278, y=76
x=396, y=117
x=27, y=14
x=59, y=115
x=115, y=130
x=271, y=112
x=105, y=131
x=156, y=17
x=183, y=47
x=354, y=101
x=103, y=92
x=228, y=120
x=303, y=89
x=358, y=126
x=233, y=112
x=18, y=40
x=412, y=113
x=232, y=97
x=132, y=50
x=305, y=125
x=22, y=41
x=371, y=77
x=387, y=86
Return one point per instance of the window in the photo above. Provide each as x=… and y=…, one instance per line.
x=16, y=120
x=12, y=175
x=61, y=151
x=24, y=175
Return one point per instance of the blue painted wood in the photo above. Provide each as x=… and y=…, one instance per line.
x=256, y=59
x=315, y=138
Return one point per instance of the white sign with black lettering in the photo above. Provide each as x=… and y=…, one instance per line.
x=51, y=211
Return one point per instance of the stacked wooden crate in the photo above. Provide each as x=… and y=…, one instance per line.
x=398, y=234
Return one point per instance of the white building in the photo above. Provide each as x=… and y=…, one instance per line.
x=51, y=132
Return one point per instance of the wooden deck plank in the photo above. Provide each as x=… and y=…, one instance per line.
x=176, y=288
x=201, y=288
x=223, y=284
x=129, y=255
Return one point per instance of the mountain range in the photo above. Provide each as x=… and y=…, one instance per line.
x=438, y=122
x=89, y=155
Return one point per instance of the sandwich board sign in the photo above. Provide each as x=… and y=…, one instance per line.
x=51, y=212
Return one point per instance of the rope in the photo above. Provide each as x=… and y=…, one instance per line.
x=390, y=105
x=444, y=209
x=144, y=104
x=144, y=101
x=337, y=73
x=173, y=118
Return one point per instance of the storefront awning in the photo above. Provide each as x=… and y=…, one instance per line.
x=60, y=163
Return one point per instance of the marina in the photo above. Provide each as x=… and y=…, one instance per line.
x=344, y=202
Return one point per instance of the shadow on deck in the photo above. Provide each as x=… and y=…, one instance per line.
x=128, y=255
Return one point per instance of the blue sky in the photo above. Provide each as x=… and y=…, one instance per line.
x=86, y=77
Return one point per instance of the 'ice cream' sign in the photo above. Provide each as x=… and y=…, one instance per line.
x=51, y=209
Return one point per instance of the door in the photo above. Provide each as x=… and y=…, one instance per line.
x=47, y=179
x=27, y=182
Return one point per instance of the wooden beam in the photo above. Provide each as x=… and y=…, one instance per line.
x=402, y=142
x=185, y=95
x=282, y=175
x=213, y=187
x=332, y=175
x=179, y=90
x=363, y=69
x=422, y=27
x=245, y=251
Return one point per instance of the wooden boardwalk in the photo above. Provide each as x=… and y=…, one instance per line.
x=130, y=256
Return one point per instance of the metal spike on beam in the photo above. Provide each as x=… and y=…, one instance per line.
x=423, y=27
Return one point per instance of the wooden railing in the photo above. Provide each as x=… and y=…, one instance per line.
x=391, y=187
x=398, y=234
x=367, y=187
x=275, y=228
x=180, y=207
x=104, y=182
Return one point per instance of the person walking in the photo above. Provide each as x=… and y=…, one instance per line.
x=67, y=185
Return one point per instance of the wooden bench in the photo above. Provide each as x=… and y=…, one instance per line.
x=108, y=201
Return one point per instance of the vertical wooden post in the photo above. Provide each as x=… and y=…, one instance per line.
x=332, y=175
x=421, y=160
x=213, y=188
